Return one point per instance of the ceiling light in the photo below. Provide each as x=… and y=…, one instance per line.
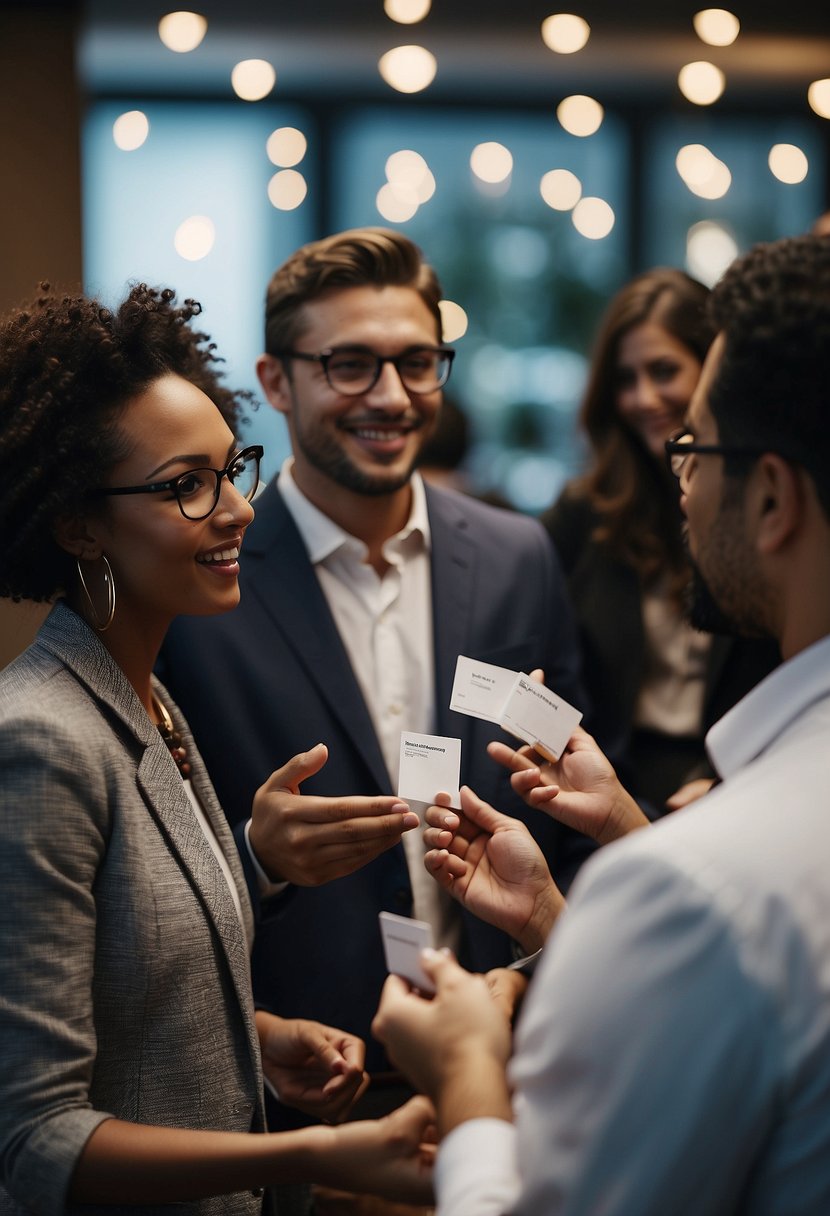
x=406, y=12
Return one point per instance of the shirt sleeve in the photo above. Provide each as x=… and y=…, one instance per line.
x=643, y=1073
x=476, y=1172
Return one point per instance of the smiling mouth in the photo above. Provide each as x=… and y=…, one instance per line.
x=219, y=556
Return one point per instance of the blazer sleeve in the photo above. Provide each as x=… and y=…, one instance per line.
x=51, y=844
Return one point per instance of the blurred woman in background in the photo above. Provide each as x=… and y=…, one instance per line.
x=656, y=684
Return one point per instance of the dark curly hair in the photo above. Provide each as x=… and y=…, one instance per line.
x=361, y=257
x=68, y=366
x=635, y=500
x=772, y=387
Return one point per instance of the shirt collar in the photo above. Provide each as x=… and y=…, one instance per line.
x=752, y=725
x=322, y=536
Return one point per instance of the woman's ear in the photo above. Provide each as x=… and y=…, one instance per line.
x=72, y=533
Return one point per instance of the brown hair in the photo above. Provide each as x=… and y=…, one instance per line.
x=358, y=258
x=630, y=491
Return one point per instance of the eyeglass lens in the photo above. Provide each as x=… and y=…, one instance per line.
x=421, y=371
x=198, y=490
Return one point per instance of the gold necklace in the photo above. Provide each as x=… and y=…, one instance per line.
x=172, y=738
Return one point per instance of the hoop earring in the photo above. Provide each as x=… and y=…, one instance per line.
x=109, y=583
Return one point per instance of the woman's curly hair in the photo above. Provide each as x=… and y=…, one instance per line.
x=68, y=366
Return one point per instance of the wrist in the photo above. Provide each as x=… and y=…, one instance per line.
x=547, y=906
x=473, y=1087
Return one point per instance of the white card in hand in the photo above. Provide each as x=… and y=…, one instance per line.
x=430, y=764
x=533, y=713
x=480, y=689
x=403, y=941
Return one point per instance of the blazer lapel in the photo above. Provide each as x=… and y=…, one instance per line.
x=455, y=570
x=286, y=584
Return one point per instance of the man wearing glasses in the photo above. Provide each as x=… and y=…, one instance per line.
x=673, y=1054
x=360, y=586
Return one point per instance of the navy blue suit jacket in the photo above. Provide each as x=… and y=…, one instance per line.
x=272, y=678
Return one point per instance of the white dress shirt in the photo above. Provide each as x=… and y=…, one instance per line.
x=673, y=1054
x=385, y=623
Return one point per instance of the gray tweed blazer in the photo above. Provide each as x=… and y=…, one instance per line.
x=124, y=975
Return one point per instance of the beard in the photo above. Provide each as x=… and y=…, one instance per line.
x=727, y=595
x=322, y=449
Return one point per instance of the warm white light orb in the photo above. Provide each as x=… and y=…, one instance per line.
x=491, y=162
x=408, y=168
x=716, y=26
x=818, y=96
x=130, y=130
x=593, y=218
x=701, y=82
x=703, y=173
x=580, y=115
x=561, y=189
x=454, y=321
x=709, y=250
x=396, y=204
x=406, y=12
x=788, y=163
x=565, y=33
x=253, y=79
x=182, y=31
x=195, y=238
x=286, y=147
x=287, y=189
x=409, y=69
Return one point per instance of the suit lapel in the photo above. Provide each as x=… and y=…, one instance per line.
x=455, y=571
x=285, y=583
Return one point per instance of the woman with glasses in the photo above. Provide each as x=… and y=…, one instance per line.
x=133, y=1057
x=656, y=684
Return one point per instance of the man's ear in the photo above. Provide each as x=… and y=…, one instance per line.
x=777, y=500
x=275, y=382
x=72, y=533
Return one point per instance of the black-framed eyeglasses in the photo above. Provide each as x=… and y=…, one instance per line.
x=353, y=370
x=682, y=445
x=197, y=491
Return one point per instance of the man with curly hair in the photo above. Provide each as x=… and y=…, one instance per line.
x=361, y=586
x=673, y=1054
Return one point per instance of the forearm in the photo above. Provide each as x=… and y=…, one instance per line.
x=475, y=1087
x=137, y=1163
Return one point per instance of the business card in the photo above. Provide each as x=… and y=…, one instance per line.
x=429, y=764
x=403, y=941
x=535, y=714
x=480, y=689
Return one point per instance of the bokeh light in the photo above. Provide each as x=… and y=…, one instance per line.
x=182, y=31
x=580, y=115
x=253, y=79
x=491, y=162
x=130, y=130
x=561, y=189
x=716, y=26
x=408, y=169
x=818, y=96
x=703, y=173
x=701, y=83
x=396, y=203
x=287, y=189
x=565, y=33
x=408, y=69
x=593, y=218
x=286, y=147
x=406, y=12
x=195, y=237
x=788, y=163
x=709, y=250
x=454, y=321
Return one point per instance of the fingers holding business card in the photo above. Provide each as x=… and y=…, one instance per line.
x=581, y=789
x=309, y=840
x=492, y=865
